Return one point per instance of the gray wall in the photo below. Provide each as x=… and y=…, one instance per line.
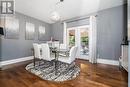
x=110, y=31
x=128, y=20
x=17, y=48
x=129, y=42
x=57, y=31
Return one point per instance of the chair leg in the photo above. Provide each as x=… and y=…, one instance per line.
x=71, y=65
x=52, y=62
x=39, y=62
x=34, y=62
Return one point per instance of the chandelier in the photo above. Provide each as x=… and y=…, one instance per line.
x=55, y=16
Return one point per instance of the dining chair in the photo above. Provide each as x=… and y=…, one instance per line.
x=37, y=52
x=63, y=50
x=46, y=54
x=37, y=48
x=63, y=46
x=56, y=44
x=50, y=43
x=71, y=58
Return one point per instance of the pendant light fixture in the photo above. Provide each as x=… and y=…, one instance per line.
x=55, y=16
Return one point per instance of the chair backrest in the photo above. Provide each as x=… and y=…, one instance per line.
x=45, y=52
x=49, y=43
x=73, y=52
x=63, y=46
x=56, y=44
x=37, y=48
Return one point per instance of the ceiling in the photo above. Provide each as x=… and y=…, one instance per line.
x=41, y=9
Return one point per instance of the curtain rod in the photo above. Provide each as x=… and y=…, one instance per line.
x=78, y=19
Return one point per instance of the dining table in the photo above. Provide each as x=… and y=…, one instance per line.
x=56, y=53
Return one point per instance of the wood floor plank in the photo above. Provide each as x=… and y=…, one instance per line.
x=91, y=75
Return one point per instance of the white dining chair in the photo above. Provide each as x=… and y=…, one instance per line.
x=46, y=54
x=56, y=44
x=63, y=46
x=71, y=58
x=49, y=43
x=63, y=50
x=37, y=52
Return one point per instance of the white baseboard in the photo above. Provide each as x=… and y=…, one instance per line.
x=106, y=61
x=7, y=62
x=83, y=58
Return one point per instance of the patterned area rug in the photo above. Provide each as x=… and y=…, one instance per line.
x=54, y=72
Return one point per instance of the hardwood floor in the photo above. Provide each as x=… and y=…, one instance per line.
x=91, y=75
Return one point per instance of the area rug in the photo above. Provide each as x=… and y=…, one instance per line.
x=47, y=70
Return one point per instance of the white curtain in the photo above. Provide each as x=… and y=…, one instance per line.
x=65, y=34
x=93, y=39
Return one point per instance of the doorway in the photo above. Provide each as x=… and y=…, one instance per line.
x=79, y=36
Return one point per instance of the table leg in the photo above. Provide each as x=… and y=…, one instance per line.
x=33, y=57
x=55, y=67
x=55, y=64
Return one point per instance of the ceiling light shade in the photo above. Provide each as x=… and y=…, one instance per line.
x=55, y=16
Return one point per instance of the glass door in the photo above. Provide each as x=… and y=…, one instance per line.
x=83, y=42
x=71, y=37
x=79, y=36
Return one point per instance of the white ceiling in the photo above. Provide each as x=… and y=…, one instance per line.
x=41, y=9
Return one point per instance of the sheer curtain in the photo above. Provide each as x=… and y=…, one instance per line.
x=93, y=39
x=64, y=35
